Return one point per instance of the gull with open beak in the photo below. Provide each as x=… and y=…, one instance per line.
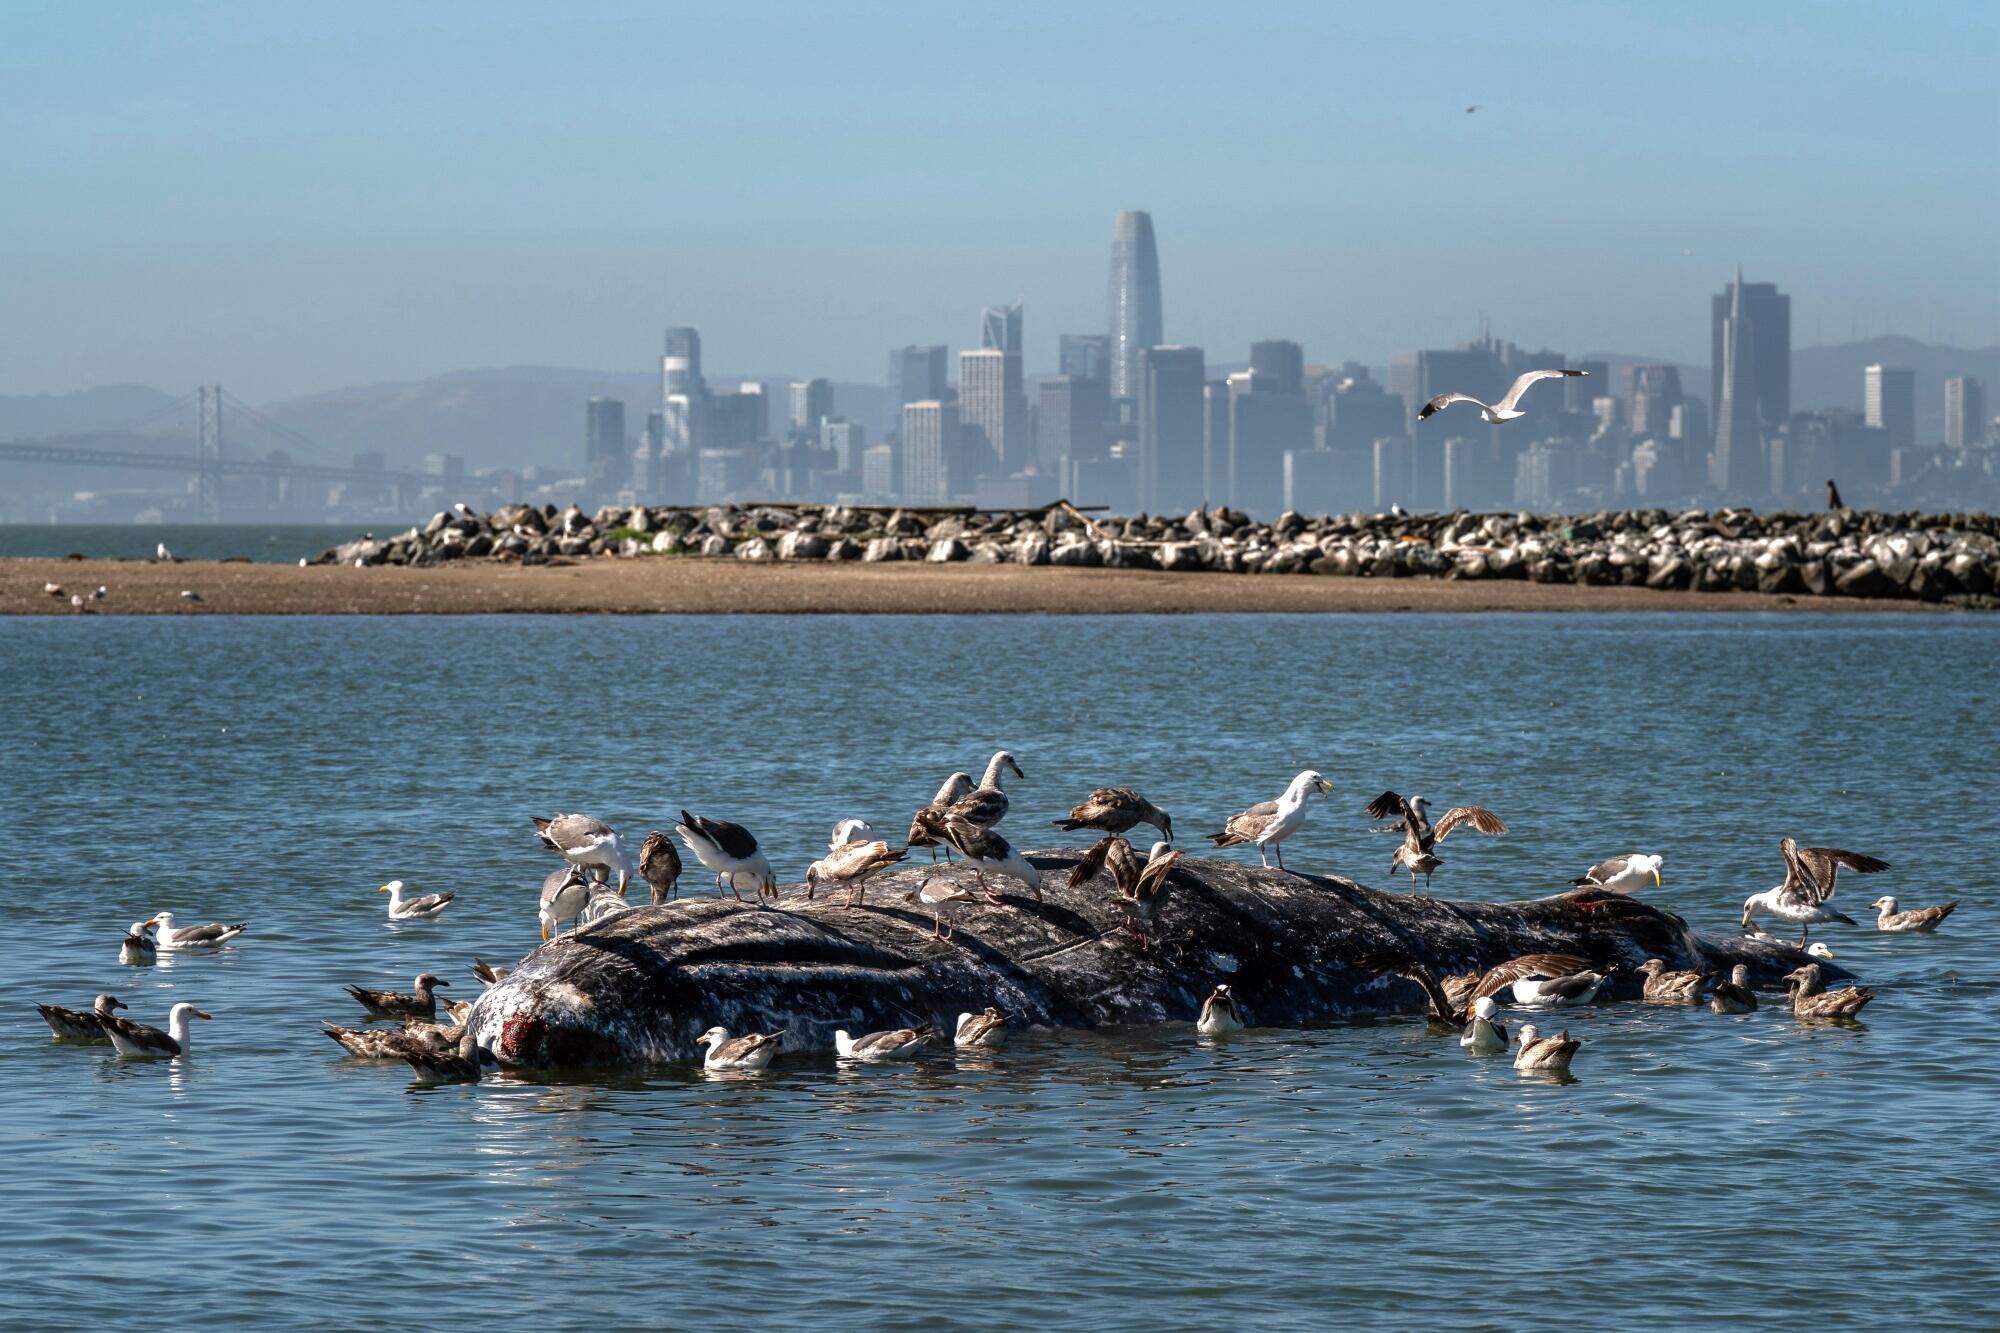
x=1269, y=823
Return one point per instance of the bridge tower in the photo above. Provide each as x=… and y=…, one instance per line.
x=208, y=485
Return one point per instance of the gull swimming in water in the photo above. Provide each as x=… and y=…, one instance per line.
x=1140, y=885
x=1811, y=999
x=565, y=893
x=888, y=1045
x=420, y=1002
x=1734, y=996
x=754, y=1051
x=138, y=946
x=77, y=1024
x=986, y=1030
x=138, y=1041
x=1664, y=987
x=396, y=1043
x=988, y=850
x=414, y=909
x=1621, y=874
x=1538, y=1052
x=1505, y=409
x=1558, y=992
x=1528, y=967
x=851, y=864
x=1117, y=810
x=660, y=867
x=1420, y=836
x=453, y=1064
x=585, y=842
x=727, y=849
x=1809, y=878
x=1483, y=1036
x=1924, y=919
x=938, y=895
x=1269, y=823
x=1219, y=1015
x=986, y=805
x=927, y=825
x=194, y=937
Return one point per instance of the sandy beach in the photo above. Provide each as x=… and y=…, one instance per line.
x=706, y=587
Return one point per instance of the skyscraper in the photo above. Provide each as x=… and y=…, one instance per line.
x=1135, y=301
x=680, y=368
x=1965, y=421
x=1085, y=356
x=845, y=440
x=1736, y=467
x=1002, y=412
x=1768, y=316
x=1000, y=328
x=1889, y=403
x=1280, y=366
x=1072, y=422
x=683, y=395
x=1652, y=392
x=812, y=403
x=917, y=374
x=930, y=452
x=1170, y=428
x=607, y=459
x=1265, y=423
x=983, y=416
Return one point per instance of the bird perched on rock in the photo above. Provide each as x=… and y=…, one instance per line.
x=77, y=1024
x=893, y=1044
x=1809, y=879
x=927, y=825
x=190, y=595
x=660, y=866
x=419, y=1002
x=1545, y=1053
x=1269, y=823
x=585, y=842
x=753, y=1051
x=1734, y=996
x=1833, y=500
x=727, y=849
x=1665, y=987
x=987, y=1030
x=1622, y=874
x=1507, y=408
x=1925, y=919
x=1811, y=999
x=986, y=805
x=1420, y=836
x=162, y=554
x=1140, y=885
x=1117, y=810
x=1219, y=1015
x=414, y=909
x=851, y=864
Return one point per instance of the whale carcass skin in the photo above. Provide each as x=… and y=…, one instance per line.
x=641, y=985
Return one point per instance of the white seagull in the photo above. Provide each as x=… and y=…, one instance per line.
x=1504, y=410
x=1269, y=823
x=727, y=849
x=585, y=842
x=565, y=893
x=137, y=1040
x=1483, y=1036
x=193, y=937
x=1809, y=877
x=413, y=909
x=1621, y=874
x=725, y=1052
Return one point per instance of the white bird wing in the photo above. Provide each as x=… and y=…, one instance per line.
x=1444, y=400
x=1526, y=378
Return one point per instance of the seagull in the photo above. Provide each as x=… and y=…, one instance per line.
x=1664, y=987
x=1811, y=999
x=459, y=1064
x=53, y=589
x=584, y=842
x=1558, y=992
x=660, y=866
x=138, y=1041
x=422, y=1003
x=488, y=974
x=162, y=554
x=986, y=805
x=851, y=864
x=194, y=937
x=1925, y=919
x=1734, y=996
x=1528, y=967
x=76, y=1024
x=1621, y=874
x=138, y=946
x=725, y=1052
x=882, y=1045
x=190, y=595
x=414, y=909
x=1219, y=1016
x=396, y=1043
x=1419, y=835
x=1483, y=1036
x=987, y=850
x=727, y=849
x=1397, y=511
x=101, y=593
x=926, y=828
x=1545, y=1052
x=76, y=601
x=1269, y=823
x=988, y=1029
x=1139, y=886
x=565, y=893
x=849, y=831
x=1117, y=810
x=1809, y=876
x=1504, y=410
x=938, y=895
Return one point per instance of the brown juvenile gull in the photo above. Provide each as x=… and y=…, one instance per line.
x=1809, y=878
x=137, y=1041
x=585, y=842
x=454, y=1064
x=1734, y=996
x=1269, y=823
x=927, y=826
x=1811, y=999
x=1664, y=987
x=1140, y=885
x=78, y=1024
x=726, y=1052
x=1117, y=810
x=1420, y=835
x=660, y=866
x=1538, y=1052
x=1390, y=962
x=1924, y=919
x=1505, y=409
x=488, y=974
x=419, y=1003
x=988, y=1029
x=851, y=864
x=986, y=805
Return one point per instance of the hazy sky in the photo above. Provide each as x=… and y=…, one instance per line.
x=289, y=197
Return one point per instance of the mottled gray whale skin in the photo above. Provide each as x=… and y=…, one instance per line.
x=641, y=986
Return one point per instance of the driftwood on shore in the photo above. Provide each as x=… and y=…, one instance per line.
x=1852, y=553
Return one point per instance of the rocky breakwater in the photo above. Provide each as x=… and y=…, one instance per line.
x=1838, y=553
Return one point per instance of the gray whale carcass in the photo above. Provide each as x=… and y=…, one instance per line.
x=643, y=984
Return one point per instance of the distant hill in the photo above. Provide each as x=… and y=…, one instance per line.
x=106, y=407
x=1830, y=376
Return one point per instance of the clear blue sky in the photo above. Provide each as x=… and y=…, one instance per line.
x=288, y=197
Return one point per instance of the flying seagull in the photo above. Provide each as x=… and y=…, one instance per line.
x=1504, y=410
x=1474, y=107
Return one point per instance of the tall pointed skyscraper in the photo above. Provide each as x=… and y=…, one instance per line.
x=1135, y=300
x=1737, y=465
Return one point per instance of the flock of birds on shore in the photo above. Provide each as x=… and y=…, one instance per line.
x=963, y=817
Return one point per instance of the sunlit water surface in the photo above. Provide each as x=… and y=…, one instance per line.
x=1751, y=1171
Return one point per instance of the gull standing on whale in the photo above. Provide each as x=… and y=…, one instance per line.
x=938, y=895
x=1621, y=874
x=988, y=850
x=1269, y=823
x=727, y=849
x=660, y=866
x=1420, y=835
x=1809, y=876
x=1117, y=810
x=1505, y=409
x=851, y=864
x=1140, y=885
x=926, y=826
x=565, y=893
x=986, y=805
x=585, y=842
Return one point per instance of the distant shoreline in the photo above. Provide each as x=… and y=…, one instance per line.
x=689, y=585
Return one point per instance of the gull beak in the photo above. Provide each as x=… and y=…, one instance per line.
x=1746, y=918
x=621, y=890
x=1656, y=878
x=702, y=1040
x=153, y=922
x=202, y=1013
x=545, y=932
x=383, y=889
x=1325, y=789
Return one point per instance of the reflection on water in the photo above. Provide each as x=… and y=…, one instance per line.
x=1751, y=1169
